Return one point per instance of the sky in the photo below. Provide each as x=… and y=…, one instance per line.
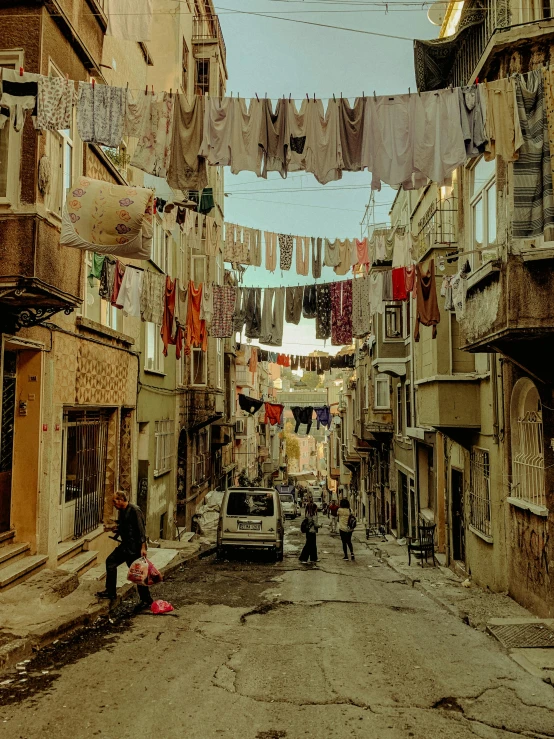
x=279, y=57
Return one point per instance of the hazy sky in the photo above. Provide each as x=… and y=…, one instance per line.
x=279, y=57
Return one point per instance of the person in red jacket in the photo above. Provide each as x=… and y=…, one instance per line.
x=333, y=515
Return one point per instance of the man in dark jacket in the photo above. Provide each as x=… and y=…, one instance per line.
x=131, y=530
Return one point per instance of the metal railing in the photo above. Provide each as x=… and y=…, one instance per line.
x=480, y=491
x=528, y=460
x=206, y=28
x=199, y=408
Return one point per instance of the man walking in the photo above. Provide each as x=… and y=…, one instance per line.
x=131, y=530
x=333, y=513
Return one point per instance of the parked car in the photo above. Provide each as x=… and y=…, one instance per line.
x=251, y=518
x=288, y=504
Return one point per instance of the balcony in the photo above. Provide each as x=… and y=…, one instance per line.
x=38, y=277
x=509, y=311
x=207, y=30
x=243, y=376
x=200, y=407
x=450, y=401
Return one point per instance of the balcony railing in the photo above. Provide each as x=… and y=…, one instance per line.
x=199, y=408
x=206, y=29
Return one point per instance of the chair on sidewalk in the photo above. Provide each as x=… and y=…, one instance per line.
x=424, y=544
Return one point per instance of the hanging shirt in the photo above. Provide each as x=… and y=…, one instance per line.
x=187, y=169
x=207, y=305
x=107, y=277
x=55, y=101
x=323, y=416
x=130, y=291
x=216, y=141
x=96, y=267
x=249, y=405
x=401, y=255
x=302, y=415
x=224, y=299
x=253, y=312
x=195, y=335
x=376, y=293
x=302, y=255
x=153, y=151
x=323, y=156
x=100, y=113
x=130, y=20
x=274, y=138
x=273, y=413
x=309, y=302
x=502, y=125
x=246, y=121
x=271, y=331
x=19, y=95
x=298, y=143
x=473, y=119
x=332, y=255
x=351, y=131
x=360, y=254
x=166, y=331
x=152, y=297
x=118, y=279
x=341, y=309
x=293, y=308
x=428, y=312
x=399, y=291
x=345, y=257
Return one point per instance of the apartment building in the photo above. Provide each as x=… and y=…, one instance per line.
x=89, y=403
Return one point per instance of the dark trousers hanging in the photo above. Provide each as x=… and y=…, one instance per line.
x=310, y=548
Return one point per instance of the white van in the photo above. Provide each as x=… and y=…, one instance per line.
x=251, y=518
x=288, y=504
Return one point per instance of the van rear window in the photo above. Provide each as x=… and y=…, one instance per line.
x=250, y=504
x=287, y=498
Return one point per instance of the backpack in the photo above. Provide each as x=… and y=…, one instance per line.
x=305, y=526
x=352, y=522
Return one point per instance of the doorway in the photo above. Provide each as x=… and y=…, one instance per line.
x=7, y=437
x=458, y=529
x=405, y=503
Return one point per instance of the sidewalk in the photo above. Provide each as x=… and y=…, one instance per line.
x=54, y=603
x=478, y=608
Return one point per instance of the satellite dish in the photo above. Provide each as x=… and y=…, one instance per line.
x=436, y=12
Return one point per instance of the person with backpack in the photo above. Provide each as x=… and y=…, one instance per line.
x=347, y=524
x=309, y=527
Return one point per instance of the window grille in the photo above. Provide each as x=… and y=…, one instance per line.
x=528, y=461
x=164, y=446
x=480, y=491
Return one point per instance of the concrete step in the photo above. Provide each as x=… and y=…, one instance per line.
x=80, y=563
x=68, y=549
x=13, y=552
x=13, y=574
x=6, y=538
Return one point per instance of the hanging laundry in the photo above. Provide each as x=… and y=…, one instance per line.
x=459, y=291
x=378, y=246
x=180, y=303
x=224, y=299
x=187, y=169
x=309, y=302
x=130, y=20
x=532, y=185
x=446, y=292
x=107, y=277
x=216, y=141
x=302, y=255
x=411, y=279
x=294, y=363
x=107, y=218
x=239, y=312
x=274, y=139
x=271, y=331
x=502, y=125
x=473, y=119
x=96, y=267
x=297, y=124
x=253, y=323
x=55, y=100
x=361, y=307
x=316, y=258
x=137, y=104
x=166, y=331
x=213, y=237
x=249, y=405
x=387, y=285
x=360, y=254
x=341, y=313
x=130, y=292
x=253, y=361
x=428, y=312
x=118, y=279
x=207, y=304
x=332, y=255
x=273, y=413
x=195, y=229
x=345, y=257
x=206, y=202
x=100, y=113
x=252, y=244
x=322, y=153
x=19, y=95
x=270, y=251
x=376, y=293
x=293, y=307
x=399, y=291
x=195, y=334
x=323, y=416
x=351, y=130
x=302, y=415
x=153, y=151
x=548, y=83
x=285, y=251
x=401, y=255
x=323, y=312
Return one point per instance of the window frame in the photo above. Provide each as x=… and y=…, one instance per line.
x=480, y=519
x=408, y=420
x=160, y=246
x=396, y=309
x=379, y=378
x=399, y=419
x=163, y=453
x=158, y=363
x=476, y=196
x=219, y=364
x=14, y=138
x=203, y=382
x=202, y=87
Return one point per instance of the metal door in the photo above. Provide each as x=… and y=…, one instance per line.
x=458, y=528
x=6, y=437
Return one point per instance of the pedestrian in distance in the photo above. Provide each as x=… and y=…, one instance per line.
x=333, y=511
x=309, y=527
x=131, y=530
x=347, y=523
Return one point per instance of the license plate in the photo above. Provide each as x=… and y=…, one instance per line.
x=249, y=525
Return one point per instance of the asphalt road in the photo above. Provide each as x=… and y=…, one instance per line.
x=258, y=650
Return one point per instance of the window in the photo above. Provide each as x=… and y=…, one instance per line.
x=198, y=270
x=483, y=209
x=59, y=148
x=202, y=76
x=382, y=392
x=399, y=410
x=10, y=142
x=407, y=317
x=408, y=405
x=160, y=255
x=219, y=363
x=527, y=444
x=250, y=503
x=164, y=446
x=110, y=316
x=366, y=393
x=198, y=367
x=153, y=357
x=200, y=459
x=185, y=67
x=393, y=321
x=480, y=491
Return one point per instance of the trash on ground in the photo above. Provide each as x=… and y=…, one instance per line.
x=161, y=606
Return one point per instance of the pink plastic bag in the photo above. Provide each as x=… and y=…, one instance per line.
x=154, y=575
x=138, y=571
x=161, y=606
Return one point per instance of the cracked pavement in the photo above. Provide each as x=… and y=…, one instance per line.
x=258, y=650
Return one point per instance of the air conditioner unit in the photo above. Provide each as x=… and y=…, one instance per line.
x=240, y=426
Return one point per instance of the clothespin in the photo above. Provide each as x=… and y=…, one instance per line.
x=146, y=90
x=21, y=71
x=171, y=92
x=127, y=87
x=152, y=89
x=341, y=96
x=374, y=95
x=257, y=98
x=307, y=98
x=266, y=96
x=409, y=91
x=93, y=83
x=314, y=97
x=290, y=96
x=334, y=98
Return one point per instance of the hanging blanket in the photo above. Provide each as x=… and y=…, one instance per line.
x=108, y=219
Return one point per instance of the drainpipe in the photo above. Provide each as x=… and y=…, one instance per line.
x=446, y=502
x=494, y=388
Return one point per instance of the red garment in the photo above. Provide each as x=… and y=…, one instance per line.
x=362, y=254
x=253, y=361
x=196, y=334
x=273, y=413
x=178, y=340
x=286, y=360
x=399, y=291
x=118, y=278
x=166, y=331
x=428, y=312
x=410, y=279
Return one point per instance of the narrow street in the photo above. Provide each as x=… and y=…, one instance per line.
x=259, y=650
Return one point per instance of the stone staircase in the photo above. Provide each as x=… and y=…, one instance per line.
x=16, y=563
x=77, y=556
